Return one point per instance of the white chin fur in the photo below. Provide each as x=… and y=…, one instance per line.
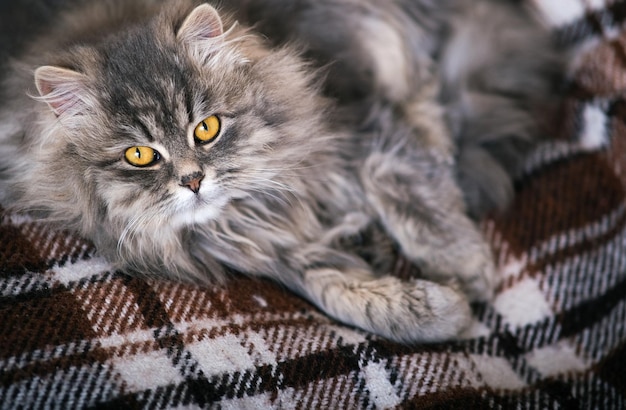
x=198, y=208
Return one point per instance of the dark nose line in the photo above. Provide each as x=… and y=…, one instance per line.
x=192, y=181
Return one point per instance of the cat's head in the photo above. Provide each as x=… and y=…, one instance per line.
x=167, y=122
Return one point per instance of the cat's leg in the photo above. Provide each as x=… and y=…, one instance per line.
x=498, y=95
x=414, y=311
x=412, y=188
x=343, y=285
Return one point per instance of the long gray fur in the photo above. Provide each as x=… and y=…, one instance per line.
x=342, y=125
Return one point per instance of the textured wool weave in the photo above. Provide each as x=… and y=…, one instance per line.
x=76, y=334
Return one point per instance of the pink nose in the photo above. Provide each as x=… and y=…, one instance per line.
x=192, y=181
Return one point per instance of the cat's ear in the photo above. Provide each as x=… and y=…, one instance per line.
x=202, y=30
x=61, y=88
x=201, y=24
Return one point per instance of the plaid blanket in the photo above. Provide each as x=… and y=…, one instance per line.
x=76, y=334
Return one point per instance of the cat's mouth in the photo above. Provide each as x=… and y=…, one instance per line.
x=200, y=207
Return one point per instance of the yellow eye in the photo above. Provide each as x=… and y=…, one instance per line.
x=207, y=130
x=141, y=156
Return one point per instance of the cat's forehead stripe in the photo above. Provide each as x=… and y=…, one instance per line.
x=189, y=104
x=146, y=130
x=138, y=71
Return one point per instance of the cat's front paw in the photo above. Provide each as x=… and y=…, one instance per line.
x=438, y=313
x=416, y=311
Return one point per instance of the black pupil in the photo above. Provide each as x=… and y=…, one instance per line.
x=155, y=155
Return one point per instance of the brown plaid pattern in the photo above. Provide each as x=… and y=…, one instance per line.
x=75, y=334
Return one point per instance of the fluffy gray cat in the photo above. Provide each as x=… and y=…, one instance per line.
x=308, y=141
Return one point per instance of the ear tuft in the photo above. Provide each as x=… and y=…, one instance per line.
x=202, y=24
x=61, y=88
